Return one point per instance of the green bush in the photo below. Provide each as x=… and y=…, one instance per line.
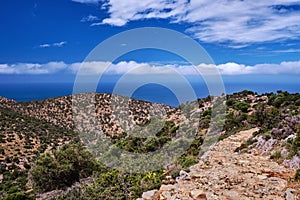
x=206, y=113
x=63, y=168
x=2, y=151
x=267, y=117
x=294, y=146
x=276, y=155
x=297, y=175
x=278, y=101
x=242, y=106
x=230, y=102
x=187, y=161
x=175, y=173
x=13, y=189
x=113, y=184
x=297, y=102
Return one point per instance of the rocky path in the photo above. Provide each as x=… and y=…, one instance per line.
x=224, y=174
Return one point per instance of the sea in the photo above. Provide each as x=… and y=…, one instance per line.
x=24, y=92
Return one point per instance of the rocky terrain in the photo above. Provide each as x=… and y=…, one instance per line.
x=223, y=173
x=109, y=110
x=257, y=155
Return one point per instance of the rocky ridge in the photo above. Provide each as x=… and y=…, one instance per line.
x=111, y=111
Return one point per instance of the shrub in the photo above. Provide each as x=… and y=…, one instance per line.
x=27, y=166
x=63, y=168
x=242, y=106
x=297, y=175
x=13, y=189
x=297, y=103
x=276, y=155
x=206, y=113
x=230, y=102
x=2, y=151
x=187, y=161
x=278, y=101
x=222, y=137
x=175, y=173
x=294, y=146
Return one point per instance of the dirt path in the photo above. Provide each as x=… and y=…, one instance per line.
x=224, y=174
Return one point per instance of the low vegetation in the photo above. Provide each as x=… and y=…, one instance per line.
x=37, y=156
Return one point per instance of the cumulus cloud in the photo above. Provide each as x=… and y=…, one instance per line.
x=122, y=12
x=56, y=44
x=88, y=68
x=224, y=69
x=134, y=68
x=32, y=68
x=235, y=22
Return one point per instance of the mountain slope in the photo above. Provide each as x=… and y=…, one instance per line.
x=34, y=133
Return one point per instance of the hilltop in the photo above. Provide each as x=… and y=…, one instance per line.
x=35, y=134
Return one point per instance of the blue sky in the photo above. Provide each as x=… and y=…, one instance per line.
x=243, y=37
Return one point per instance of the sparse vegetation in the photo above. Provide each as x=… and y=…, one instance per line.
x=37, y=136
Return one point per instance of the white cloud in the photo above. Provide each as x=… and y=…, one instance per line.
x=44, y=45
x=32, y=68
x=89, y=18
x=97, y=24
x=131, y=67
x=224, y=69
x=59, y=44
x=56, y=44
x=122, y=11
x=88, y=68
x=287, y=51
x=238, y=69
x=236, y=22
x=86, y=1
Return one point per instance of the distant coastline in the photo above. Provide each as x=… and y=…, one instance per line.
x=24, y=92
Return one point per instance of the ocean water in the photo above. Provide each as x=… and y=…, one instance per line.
x=23, y=92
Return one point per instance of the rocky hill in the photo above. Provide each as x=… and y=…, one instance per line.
x=42, y=155
x=60, y=111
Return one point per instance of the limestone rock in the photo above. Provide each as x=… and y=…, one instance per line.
x=198, y=194
x=152, y=194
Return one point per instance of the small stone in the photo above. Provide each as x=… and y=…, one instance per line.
x=262, y=177
x=168, y=177
x=198, y=194
x=167, y=187
x=290, y=194
x=194, y=175
x=183, y=175
x=165, y=195
x=152, y=194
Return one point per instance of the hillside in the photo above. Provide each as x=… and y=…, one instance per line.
x=59, y=110
x=40, y=148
